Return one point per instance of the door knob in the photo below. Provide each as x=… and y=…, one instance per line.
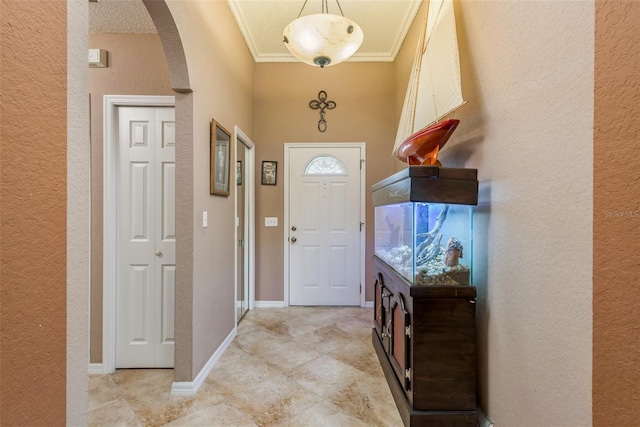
x=158, y=253
x=293, y=240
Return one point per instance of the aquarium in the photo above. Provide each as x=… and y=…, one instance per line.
x=424, y=224
x=426, y=243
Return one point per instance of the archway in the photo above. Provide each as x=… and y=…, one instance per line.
x=179, y=76
x=179, y=82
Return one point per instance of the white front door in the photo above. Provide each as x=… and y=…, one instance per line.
x=145, y=237
x=324, y=235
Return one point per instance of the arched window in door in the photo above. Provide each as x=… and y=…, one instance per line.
x=325, y=164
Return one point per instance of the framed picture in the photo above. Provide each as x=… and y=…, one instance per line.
x=239, y=172
x=269, y=172
x=219, y=161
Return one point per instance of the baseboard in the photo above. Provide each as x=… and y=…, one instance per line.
x=270, y=304
x=189, y=388
x=483, y=419
x=281, y=304
x=95, y=368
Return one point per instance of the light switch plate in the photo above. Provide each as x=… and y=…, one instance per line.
x=271, y=221
x=204, y=219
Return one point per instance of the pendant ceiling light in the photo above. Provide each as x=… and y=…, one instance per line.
x=322, y=39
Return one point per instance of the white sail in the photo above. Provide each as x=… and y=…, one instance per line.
x=435, y=87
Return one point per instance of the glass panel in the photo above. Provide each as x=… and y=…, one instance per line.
x=426, y=243
x=325, y=165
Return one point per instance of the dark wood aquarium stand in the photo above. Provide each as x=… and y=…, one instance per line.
x=425, y=336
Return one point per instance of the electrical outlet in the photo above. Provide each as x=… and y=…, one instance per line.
x=271, y=221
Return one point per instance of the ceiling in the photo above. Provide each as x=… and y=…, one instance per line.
x=384, y=23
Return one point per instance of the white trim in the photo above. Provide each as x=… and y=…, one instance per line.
x=270, y=304
x=286, y=224
x=95, y=368
x=363, y=212
x=368, y=304
x=110, y=135
x=363, y=220
x=189, y=388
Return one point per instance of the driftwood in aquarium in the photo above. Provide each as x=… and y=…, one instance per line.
x=430, y=248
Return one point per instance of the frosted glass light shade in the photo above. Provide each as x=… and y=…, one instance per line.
x=323, y=39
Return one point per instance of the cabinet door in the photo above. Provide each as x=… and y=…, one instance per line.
x=378, y=314
x=400, y=329
x=386, y=319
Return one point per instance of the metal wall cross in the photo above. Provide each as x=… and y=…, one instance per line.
x=321, y=103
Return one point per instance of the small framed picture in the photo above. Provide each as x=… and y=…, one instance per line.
x=269, y=172
x=219, y=162
x=239, y=172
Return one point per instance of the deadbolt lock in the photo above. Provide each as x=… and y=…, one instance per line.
x=294, y=228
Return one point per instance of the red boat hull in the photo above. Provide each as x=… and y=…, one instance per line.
x=422, y=147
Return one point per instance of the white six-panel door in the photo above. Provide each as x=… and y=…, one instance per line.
x=145, y=237
x=324, y=225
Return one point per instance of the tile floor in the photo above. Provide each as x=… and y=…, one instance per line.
x=294, y=366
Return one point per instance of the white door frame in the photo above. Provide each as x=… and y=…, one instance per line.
x=250, y=214
x=109, y=214
x=363, y=233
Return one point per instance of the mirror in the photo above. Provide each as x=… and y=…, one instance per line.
x=242, y=283
x=244, y=179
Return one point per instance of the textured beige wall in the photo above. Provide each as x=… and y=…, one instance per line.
x=364, y=94
x=78, y=216
x=616, y=228
x=528, y=78
x=137, y=66
x=33, y=226
x=183, y=326
x=221, y=72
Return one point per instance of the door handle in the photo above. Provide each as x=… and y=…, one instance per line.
x=293, y=240
x=158, y=253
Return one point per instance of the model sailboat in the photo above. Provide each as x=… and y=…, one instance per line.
x=434, y=90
